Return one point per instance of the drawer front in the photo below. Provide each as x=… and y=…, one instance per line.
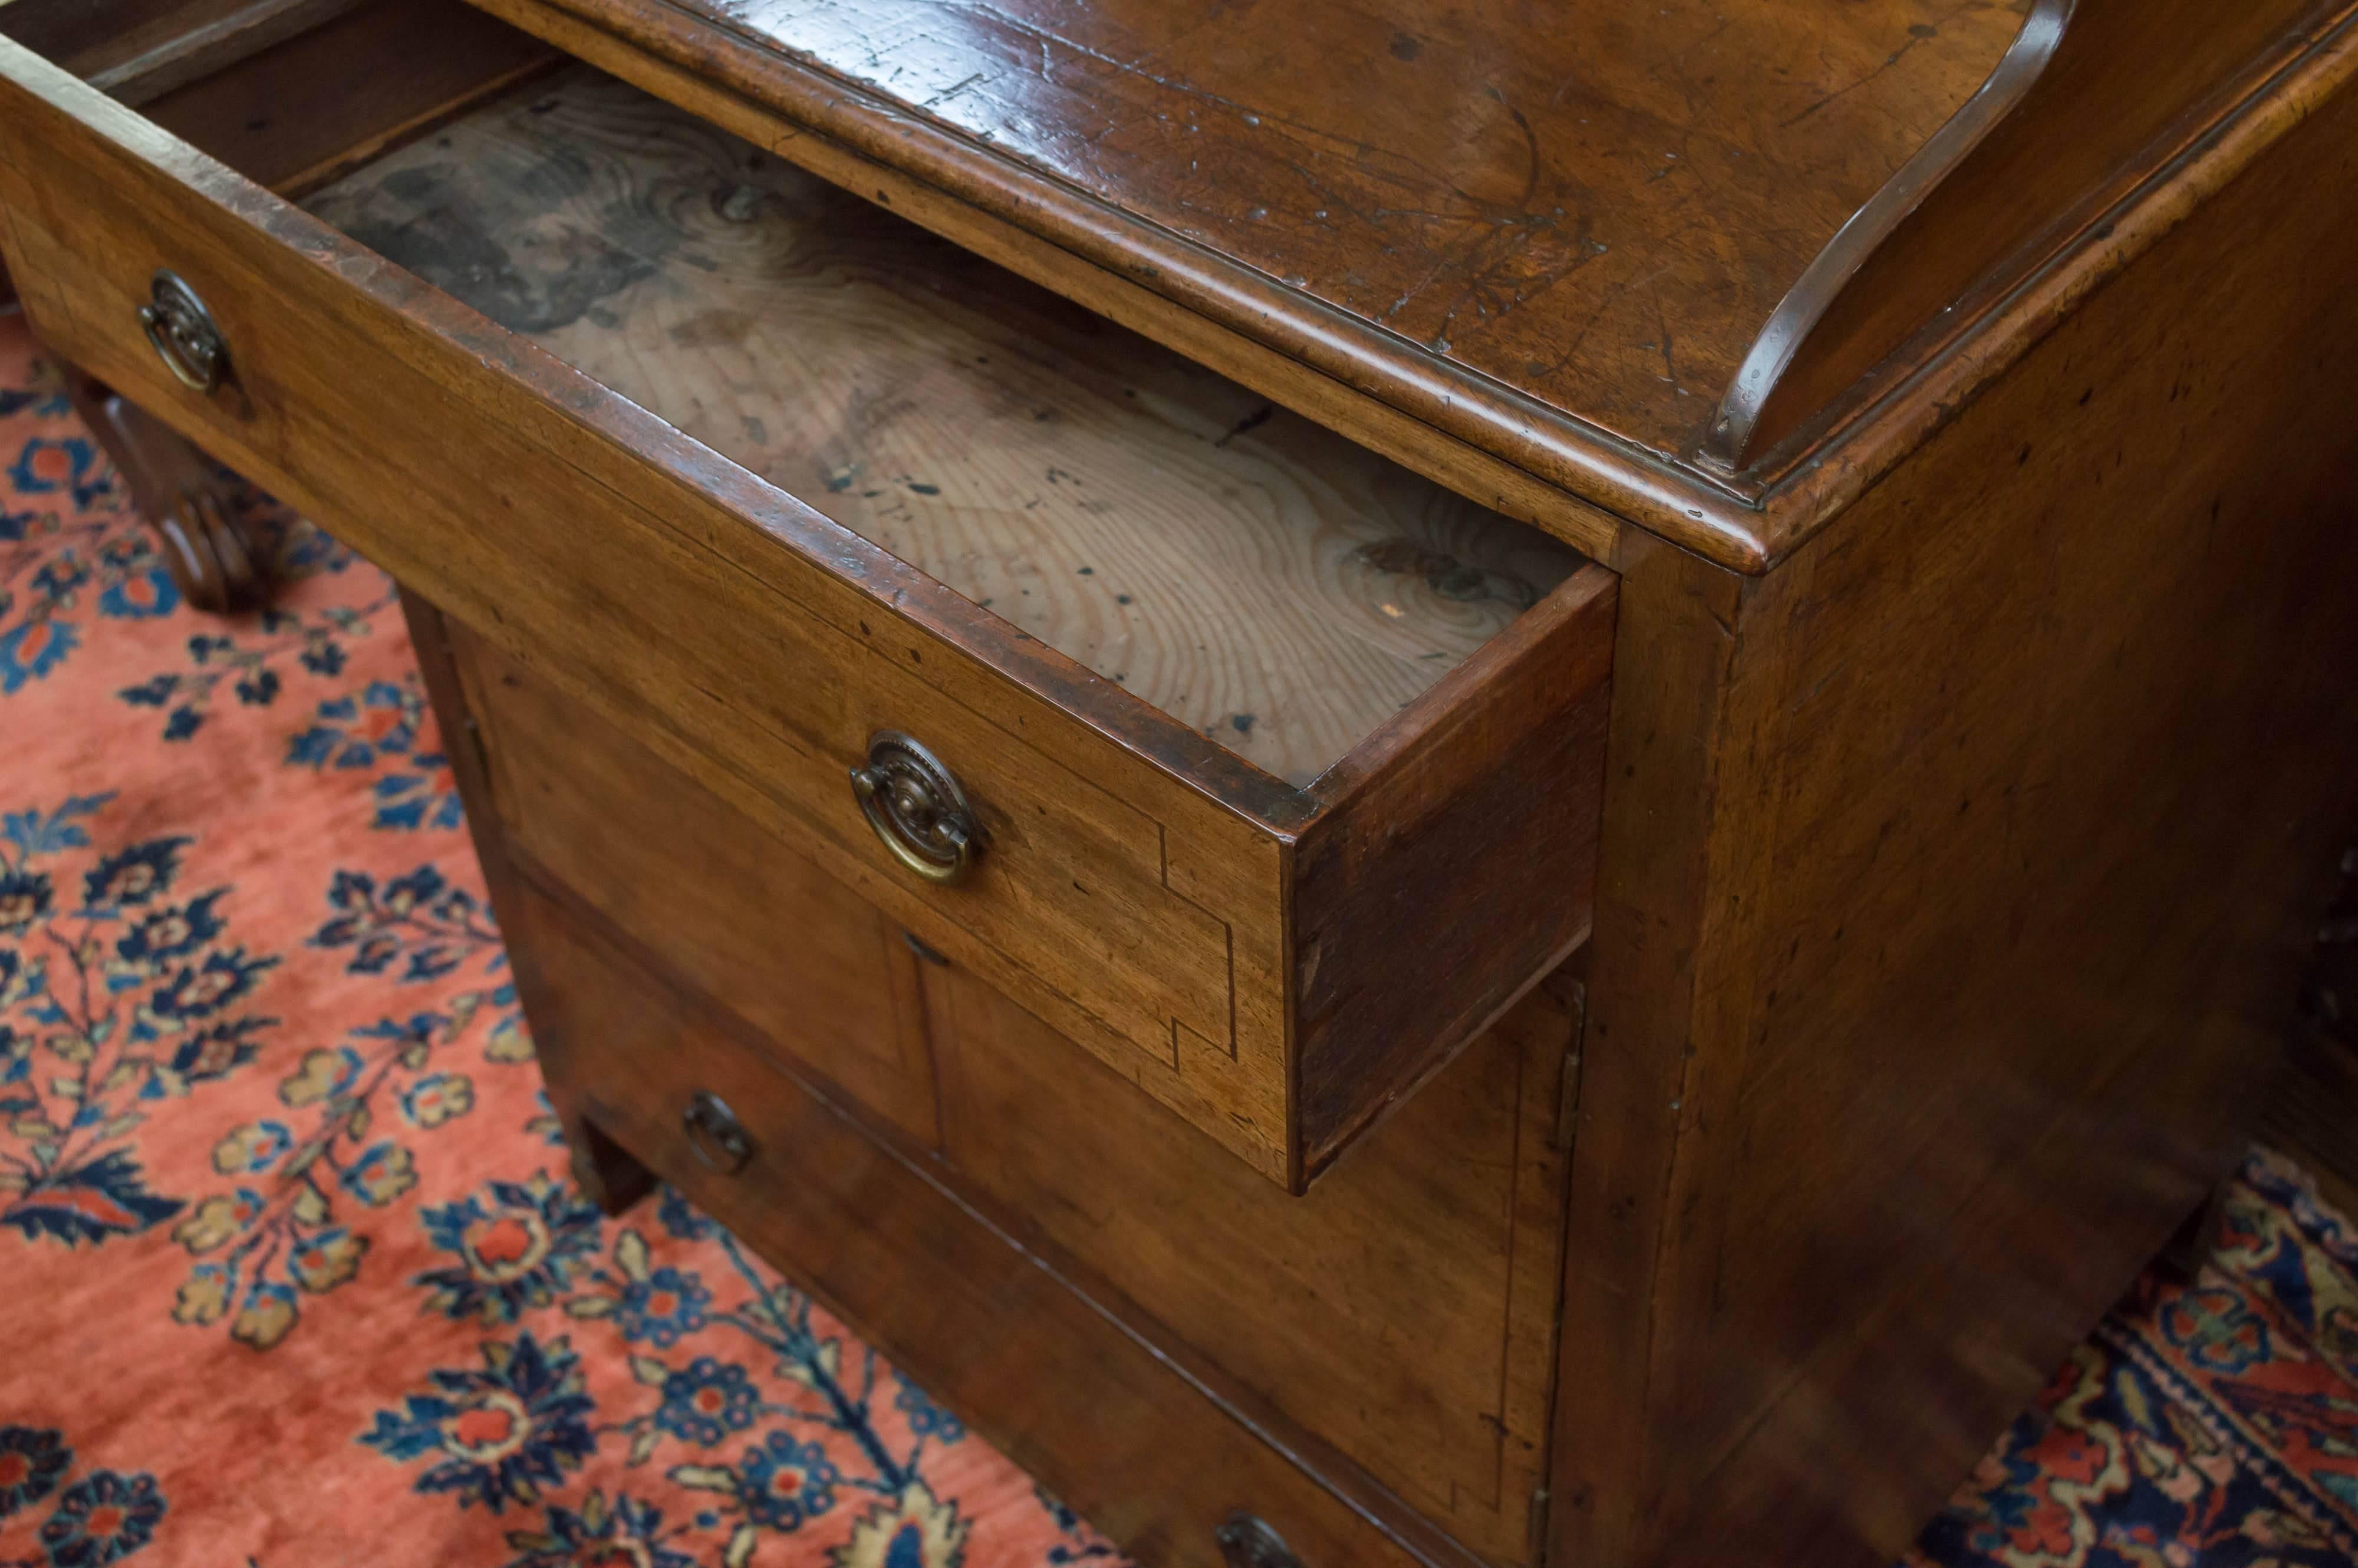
x=1403, y=1309
x=734, y=911
x=750, y=641
x=1110, y=1425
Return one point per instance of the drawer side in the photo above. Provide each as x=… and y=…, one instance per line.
x=1457, y=867
x=1276, y=963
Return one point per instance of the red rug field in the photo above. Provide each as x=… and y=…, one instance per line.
x=291, y=1274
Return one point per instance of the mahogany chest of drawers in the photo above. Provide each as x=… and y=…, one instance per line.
x=1423, y=786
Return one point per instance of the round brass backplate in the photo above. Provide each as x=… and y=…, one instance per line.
x=917, y=808
x=716, y=1135
x=183, y=332
x=1246, y=1540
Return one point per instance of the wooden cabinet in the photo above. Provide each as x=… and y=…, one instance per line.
x=1522, y=793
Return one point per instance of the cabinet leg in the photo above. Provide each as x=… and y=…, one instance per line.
x=2199, y=1238
x=606, y=1174
x=181, y=493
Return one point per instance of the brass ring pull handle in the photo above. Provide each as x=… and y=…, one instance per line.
x=1246, y=1541
x=917, y=807
x=183, y=333
x=713, y=1131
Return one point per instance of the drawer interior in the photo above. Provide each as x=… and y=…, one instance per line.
x=1266, y=582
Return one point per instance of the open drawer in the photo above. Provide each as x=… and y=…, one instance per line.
x=1265, y=769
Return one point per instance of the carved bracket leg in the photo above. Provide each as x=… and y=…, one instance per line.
x=181, y=493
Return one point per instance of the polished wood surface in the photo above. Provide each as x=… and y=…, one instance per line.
x=1654, y=903
x=1253, y=575
x=1279, y=330
x=2116, y=91
x=1596, y=208
x=1325, y=1304
x=1303, y=1302
x=2208, y=158
x=1151, y=1443
x=1122, y=297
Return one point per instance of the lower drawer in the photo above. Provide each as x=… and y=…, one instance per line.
x=1400, y=1313
x=1108, y=1424
x=730, y=909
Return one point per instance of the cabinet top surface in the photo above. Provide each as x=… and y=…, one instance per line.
x=1596, y=206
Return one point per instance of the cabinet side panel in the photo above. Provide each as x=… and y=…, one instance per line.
x=2036, y=768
